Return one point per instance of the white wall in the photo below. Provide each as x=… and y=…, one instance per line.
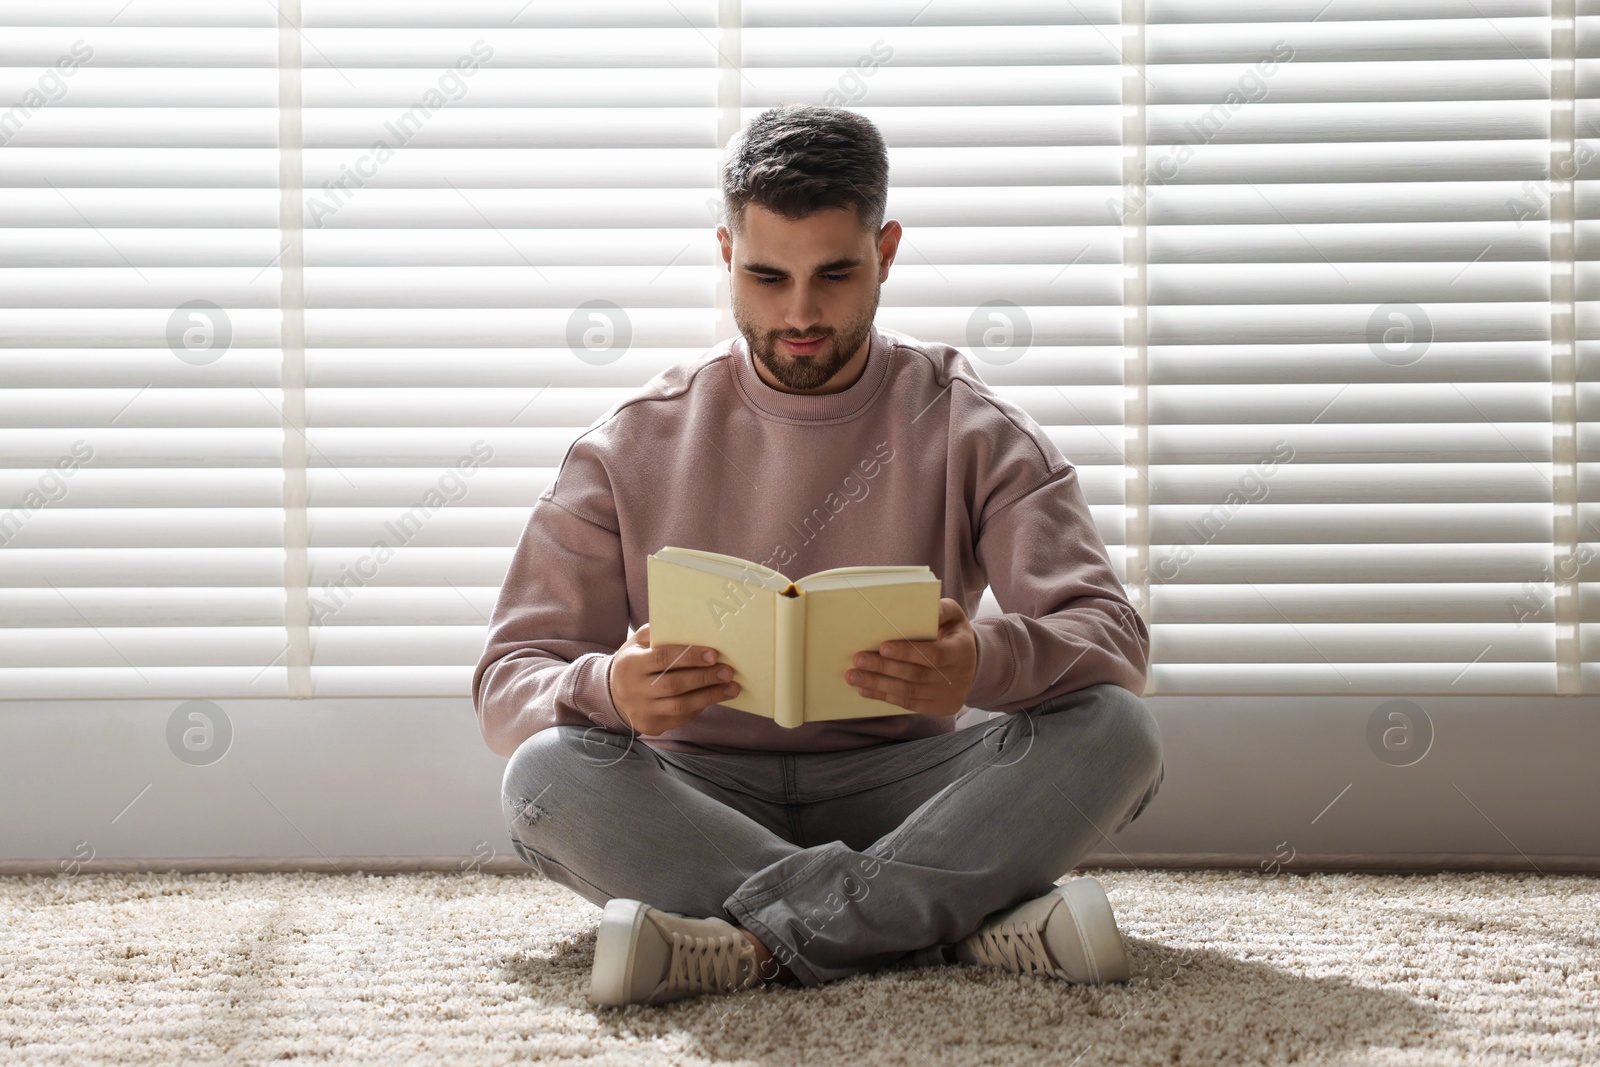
x=341, y=784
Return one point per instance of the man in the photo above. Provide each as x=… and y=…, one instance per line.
x=726, y=850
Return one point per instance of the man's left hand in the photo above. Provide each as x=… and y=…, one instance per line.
x=928, y=677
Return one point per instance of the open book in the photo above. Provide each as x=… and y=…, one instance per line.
x=789, y=643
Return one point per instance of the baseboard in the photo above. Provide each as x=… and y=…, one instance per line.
x=1350, y=863
x=507, y=864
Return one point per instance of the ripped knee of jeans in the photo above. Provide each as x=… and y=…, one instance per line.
x=525, y=812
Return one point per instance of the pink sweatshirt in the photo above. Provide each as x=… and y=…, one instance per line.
x=918, y=462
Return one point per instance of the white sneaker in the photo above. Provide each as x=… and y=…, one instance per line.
x=644, y=955
x=1069, y=933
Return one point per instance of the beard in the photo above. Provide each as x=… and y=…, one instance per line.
x=805, y=373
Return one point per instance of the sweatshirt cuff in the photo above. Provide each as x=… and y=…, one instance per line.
x=997, y=663
x=591, y=691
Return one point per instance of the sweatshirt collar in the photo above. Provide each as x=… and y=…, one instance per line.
x=812, y=407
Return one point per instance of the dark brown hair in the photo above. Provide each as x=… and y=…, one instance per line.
x=796, y=159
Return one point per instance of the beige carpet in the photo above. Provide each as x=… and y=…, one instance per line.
x=1234, y=968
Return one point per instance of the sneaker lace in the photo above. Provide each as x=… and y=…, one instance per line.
x=1016, y=947
x=711, y=964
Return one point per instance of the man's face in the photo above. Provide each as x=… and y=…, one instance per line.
x=816, y=277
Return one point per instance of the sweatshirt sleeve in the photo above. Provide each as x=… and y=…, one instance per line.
x=1067, y=622
x=562, y=612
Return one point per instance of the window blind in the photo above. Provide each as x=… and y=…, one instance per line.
x=303, y=302
x=543, y=245
x=1349, y=347
x=141, y=425
x=1575, y=166
x=506, y=227
x=505, y=234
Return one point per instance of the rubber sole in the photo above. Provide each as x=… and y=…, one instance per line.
x=611, y=978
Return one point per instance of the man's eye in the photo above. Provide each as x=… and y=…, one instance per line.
x=836, y=277
x=766, y=281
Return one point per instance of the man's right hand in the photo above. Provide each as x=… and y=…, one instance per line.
x=660, y=689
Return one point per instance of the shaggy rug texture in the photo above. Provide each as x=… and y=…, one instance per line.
x=475, y=968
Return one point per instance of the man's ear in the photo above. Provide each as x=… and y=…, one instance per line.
x=888, y=246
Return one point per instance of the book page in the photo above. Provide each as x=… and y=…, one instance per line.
x=851, y=577
x=728, y=566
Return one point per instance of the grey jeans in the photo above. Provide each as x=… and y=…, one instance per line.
x=847, y=861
